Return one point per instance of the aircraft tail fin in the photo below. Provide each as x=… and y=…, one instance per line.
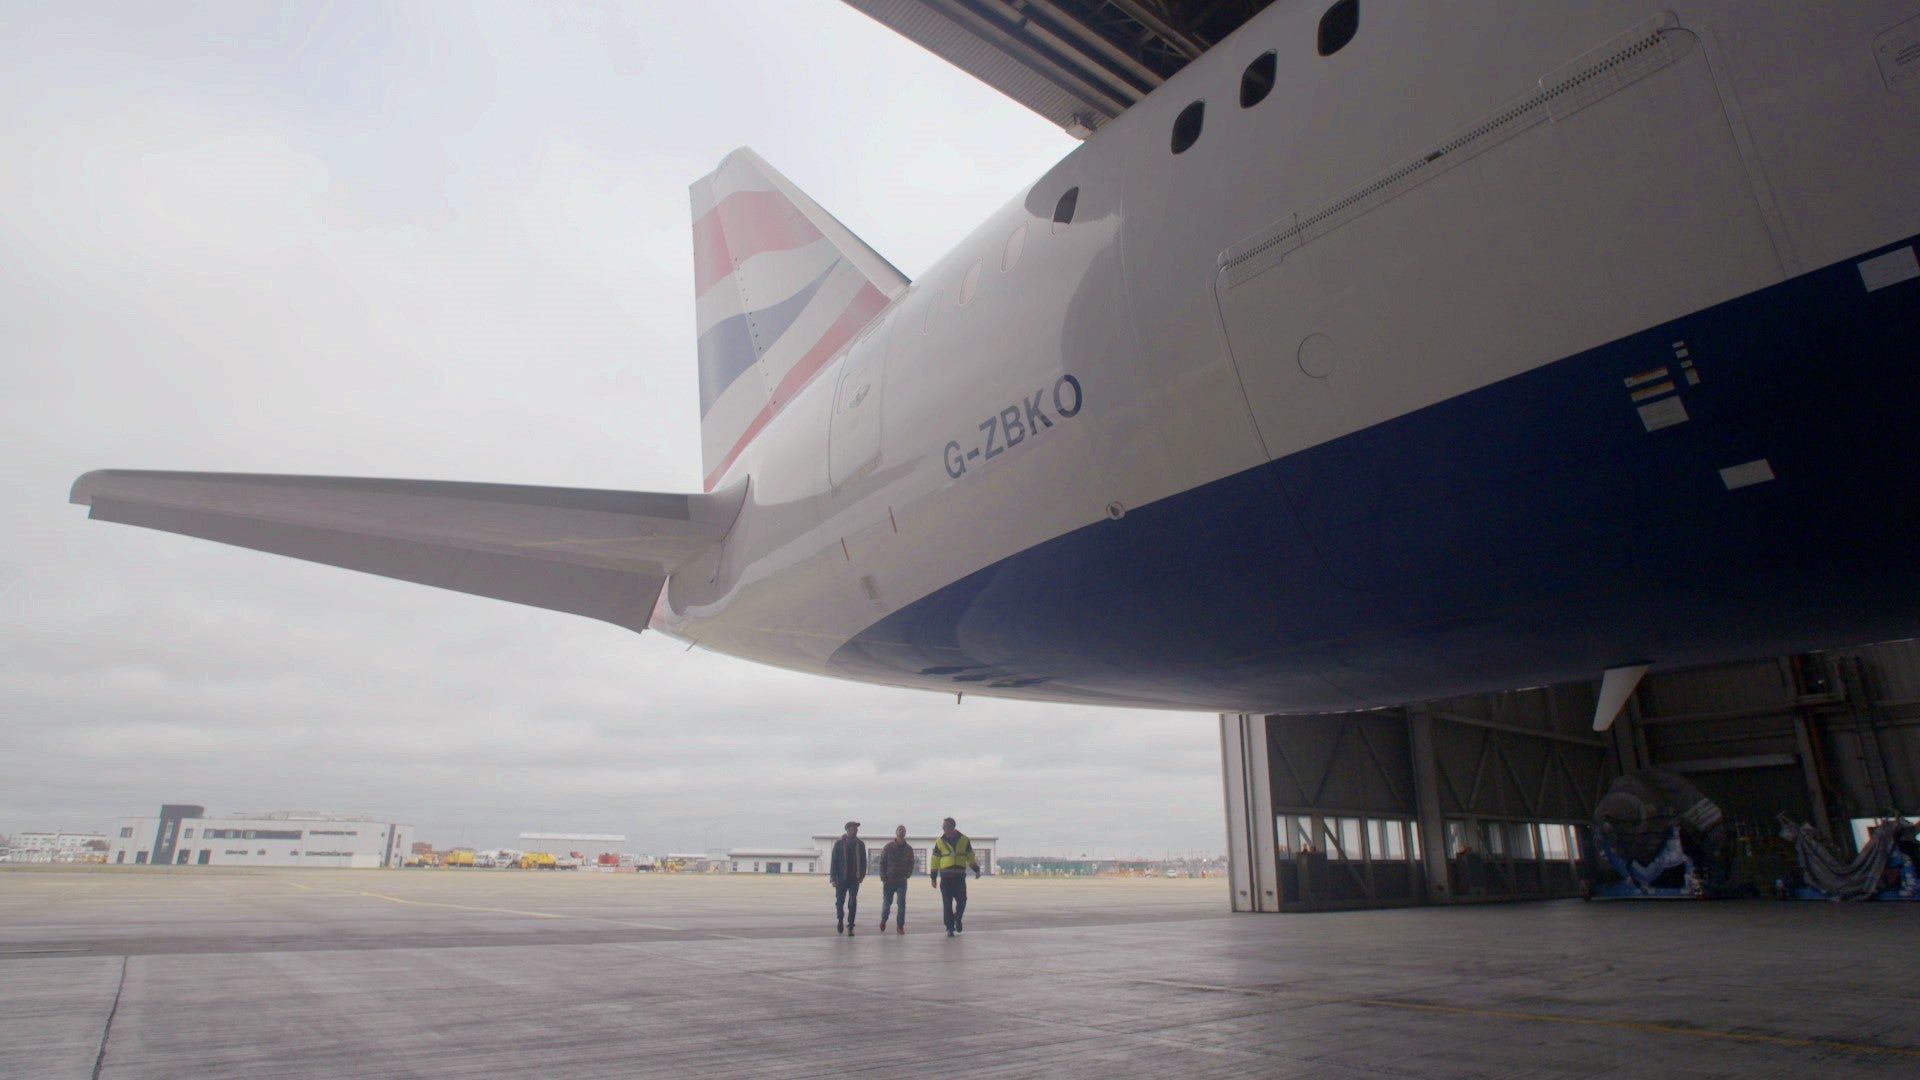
x=780, y=285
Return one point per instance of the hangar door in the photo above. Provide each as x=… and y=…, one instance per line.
x=1460, y=800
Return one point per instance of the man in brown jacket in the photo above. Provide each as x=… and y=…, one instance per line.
x=896, y=869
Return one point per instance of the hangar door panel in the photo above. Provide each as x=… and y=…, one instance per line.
x=1342, y=789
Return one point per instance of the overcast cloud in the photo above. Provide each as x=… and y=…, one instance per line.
x=451, y=241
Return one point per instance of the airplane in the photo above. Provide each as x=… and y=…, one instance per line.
x=1385, y=353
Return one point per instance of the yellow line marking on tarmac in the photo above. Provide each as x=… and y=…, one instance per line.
x=1549, y=1018
x=463, y=907
x=515, y=911
x=297, y=885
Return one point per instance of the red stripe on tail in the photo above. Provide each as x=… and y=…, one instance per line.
x=740, y=226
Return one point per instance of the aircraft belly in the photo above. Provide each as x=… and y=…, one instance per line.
x=1730, y=483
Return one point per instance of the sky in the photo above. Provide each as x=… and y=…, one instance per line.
x=451, y=241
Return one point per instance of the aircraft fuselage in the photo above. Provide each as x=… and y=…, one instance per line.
x=1501, y=346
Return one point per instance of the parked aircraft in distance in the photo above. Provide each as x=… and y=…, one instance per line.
x=1470, y=347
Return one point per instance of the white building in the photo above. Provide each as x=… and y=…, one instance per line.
x=774, y=861
x=184, y=836
x=52, y=847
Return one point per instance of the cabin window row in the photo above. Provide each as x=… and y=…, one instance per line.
x=1337, y=27
x=1015, y=247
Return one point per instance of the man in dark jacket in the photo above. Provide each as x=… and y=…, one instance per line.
x=847, y=868
x=896, y=869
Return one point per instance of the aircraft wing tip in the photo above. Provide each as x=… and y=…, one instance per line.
x=88, y=483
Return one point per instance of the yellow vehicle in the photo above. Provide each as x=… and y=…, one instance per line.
x=460, y=857
x=536, y=860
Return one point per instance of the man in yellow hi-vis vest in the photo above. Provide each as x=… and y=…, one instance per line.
x=948, y=865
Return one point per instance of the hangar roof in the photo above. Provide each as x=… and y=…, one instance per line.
x=1079, y=63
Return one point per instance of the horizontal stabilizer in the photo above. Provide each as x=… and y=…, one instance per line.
x=602, y=554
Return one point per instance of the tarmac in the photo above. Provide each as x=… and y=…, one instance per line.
x=122, y=973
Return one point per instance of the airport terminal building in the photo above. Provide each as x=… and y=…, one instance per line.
x=182, y=835
x=55, y=847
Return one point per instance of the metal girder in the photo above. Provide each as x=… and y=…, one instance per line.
x=1079, y=63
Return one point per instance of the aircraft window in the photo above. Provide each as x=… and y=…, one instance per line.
x=1257, y=81
x=1015, y=244
x=1063, y=210
x=1338, y=26
x=1186, y=126
x=971, y=283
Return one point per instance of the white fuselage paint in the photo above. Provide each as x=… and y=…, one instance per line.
x=1767, y=141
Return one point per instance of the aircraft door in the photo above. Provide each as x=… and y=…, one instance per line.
x=853, y=433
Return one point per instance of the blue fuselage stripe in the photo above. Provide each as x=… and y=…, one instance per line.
x=1533, y=531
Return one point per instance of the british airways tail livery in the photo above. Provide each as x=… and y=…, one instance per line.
x=1498, y=345
x=780, y=288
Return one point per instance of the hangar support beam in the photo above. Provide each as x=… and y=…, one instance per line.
x=1426, y=771
x=1251, y=854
